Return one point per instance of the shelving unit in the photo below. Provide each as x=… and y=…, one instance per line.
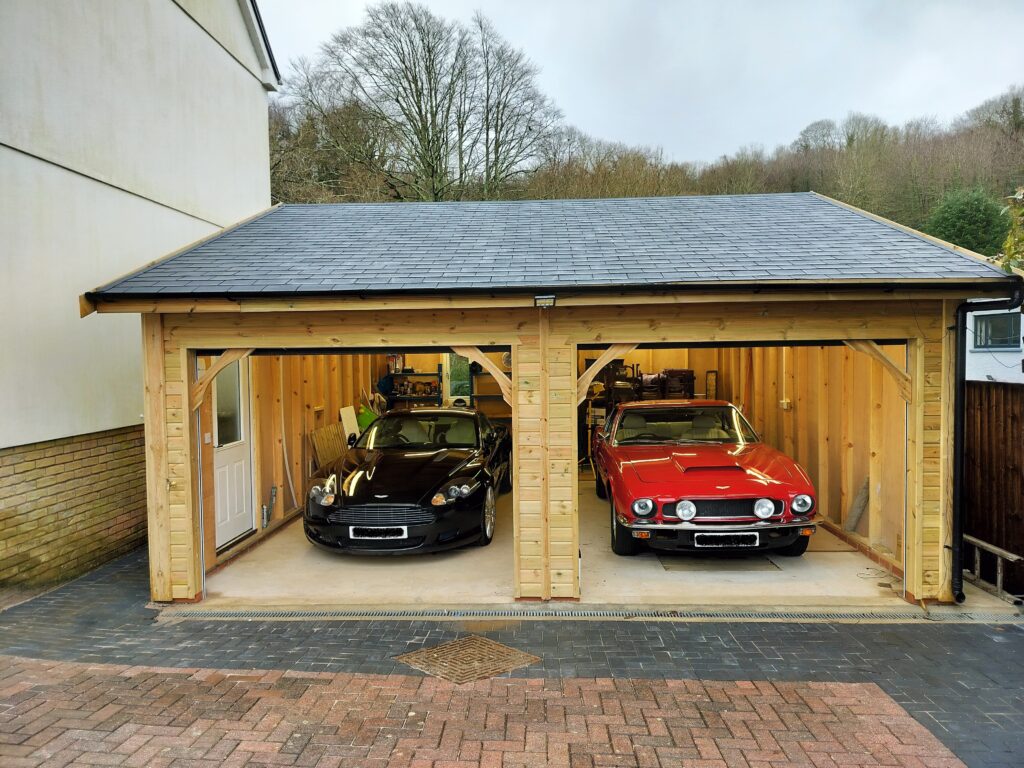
x=489, y=401
x=435, y=399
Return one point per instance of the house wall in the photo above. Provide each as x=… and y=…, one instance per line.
x=127, y=131
x=1003, y=365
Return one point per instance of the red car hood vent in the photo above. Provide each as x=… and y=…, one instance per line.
x=724, y=468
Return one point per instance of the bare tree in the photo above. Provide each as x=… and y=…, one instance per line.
x=409, y=72
x=515, y=117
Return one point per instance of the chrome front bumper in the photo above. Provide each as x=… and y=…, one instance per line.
x=760, y=525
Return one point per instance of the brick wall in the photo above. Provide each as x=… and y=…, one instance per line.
x=69, y=505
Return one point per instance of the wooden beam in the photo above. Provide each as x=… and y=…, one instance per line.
x=901, y=377
x=197, y=391
x=587, y=377
x=693, y=296
x=504, y=382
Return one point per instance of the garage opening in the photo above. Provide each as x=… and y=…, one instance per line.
x=837, y=409
x=274, y=423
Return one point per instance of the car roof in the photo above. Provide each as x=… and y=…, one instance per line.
x=669, y=403
x=435, y=411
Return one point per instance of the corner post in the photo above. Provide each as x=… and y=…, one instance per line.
x=157, y=473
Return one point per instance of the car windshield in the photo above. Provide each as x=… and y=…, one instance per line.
x=683, y=424
x=420, y=430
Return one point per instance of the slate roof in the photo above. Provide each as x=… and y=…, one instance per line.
x=550, y=245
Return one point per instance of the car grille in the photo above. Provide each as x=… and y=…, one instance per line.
x=723, y=508
x=381, y=515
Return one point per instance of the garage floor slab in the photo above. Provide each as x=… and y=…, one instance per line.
x=286, y=572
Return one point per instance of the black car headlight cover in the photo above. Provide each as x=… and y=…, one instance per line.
x=450, y=492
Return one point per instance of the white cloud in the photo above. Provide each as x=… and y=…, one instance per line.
x=702, y=79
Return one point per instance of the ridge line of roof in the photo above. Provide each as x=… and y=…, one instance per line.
x=638, y=198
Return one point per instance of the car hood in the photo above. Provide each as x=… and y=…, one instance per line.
x=720, y=469
x=399, y=476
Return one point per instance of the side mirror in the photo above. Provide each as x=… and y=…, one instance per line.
x=352, y=439
x=499, y=431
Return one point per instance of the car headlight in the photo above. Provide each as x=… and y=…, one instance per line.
x=643, y=507
x=325, y=496
x=453, y=491
x=802, y=504
x=764, y=508
x=686, y=510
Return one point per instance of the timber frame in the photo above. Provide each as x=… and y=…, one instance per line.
x=544, y=389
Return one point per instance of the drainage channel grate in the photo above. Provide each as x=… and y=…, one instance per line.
x=980, y=617
x=467, y=659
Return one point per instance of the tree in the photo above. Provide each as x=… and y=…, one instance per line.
x=515, y=116
x=970, y=218
x=433, y=108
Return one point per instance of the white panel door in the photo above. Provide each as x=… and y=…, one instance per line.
x=232, y=454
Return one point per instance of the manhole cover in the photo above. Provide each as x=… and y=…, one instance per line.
x=467, y=659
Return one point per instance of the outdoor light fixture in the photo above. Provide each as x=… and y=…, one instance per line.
x=544, y=301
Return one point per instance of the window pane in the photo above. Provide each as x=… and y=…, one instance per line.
x=997, y=330
x=229, y=405
x=458, y=375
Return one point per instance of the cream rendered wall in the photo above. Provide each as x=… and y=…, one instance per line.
x=127, y=130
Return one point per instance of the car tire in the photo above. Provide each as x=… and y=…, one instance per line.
x=795, y=549
x=488, y=518
x=506, y=479
x=623, y=542
x=599, y=489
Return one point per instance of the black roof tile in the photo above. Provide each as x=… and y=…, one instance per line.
x=549, y=245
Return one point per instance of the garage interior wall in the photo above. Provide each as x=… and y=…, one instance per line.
x=833, y=409
x=291, y=395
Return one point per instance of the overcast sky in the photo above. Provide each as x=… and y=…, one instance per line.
x=702, y=79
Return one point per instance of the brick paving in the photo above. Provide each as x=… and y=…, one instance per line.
x=60, y=713
x=964, y=683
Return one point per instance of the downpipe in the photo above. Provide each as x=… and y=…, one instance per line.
x=960, y=425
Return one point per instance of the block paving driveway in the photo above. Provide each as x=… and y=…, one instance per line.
x=89, y=677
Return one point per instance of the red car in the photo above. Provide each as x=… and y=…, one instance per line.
x=693, y=475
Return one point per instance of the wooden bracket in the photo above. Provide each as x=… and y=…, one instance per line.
x=901, y=377
x=197, y=391
x=588, y=376
x=504, y=382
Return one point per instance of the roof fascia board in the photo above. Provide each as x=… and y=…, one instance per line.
x=271, y=76
x=496, y=301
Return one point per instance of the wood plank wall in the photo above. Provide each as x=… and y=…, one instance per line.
x=994, y=474
x=830, y=408
x=292, y=395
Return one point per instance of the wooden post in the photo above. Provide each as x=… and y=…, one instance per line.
x=157, y=477
x=824, y=435
x=545, y=480
x=876, y=446
x=914, y=531
x=846, y=490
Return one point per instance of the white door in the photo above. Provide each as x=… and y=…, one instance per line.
x=232, y=463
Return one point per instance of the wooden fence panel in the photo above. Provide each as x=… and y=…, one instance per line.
x=994, y=474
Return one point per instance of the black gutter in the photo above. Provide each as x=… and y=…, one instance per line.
x=562, y=291
x=960, y=425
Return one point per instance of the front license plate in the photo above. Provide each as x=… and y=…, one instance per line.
x=393, y=532
x=726, y=539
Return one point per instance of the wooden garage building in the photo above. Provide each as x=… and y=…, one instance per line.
x=802, y=299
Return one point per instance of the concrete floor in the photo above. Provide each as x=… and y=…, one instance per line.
x=287, y=571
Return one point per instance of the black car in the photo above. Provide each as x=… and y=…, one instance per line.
x=424, y=480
